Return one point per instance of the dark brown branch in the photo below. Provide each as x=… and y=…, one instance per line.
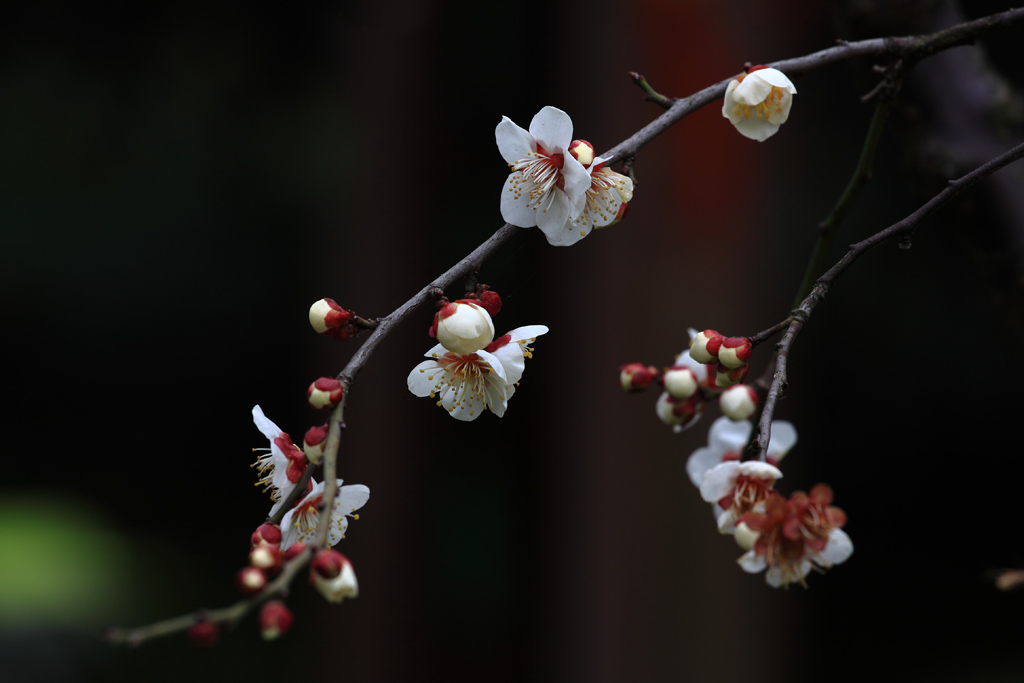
x=825, y=282
x=910, y=48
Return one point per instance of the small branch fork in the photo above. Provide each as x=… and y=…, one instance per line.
x=911, y=49
x=824, y=283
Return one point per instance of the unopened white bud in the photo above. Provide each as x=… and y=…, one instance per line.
x=738, y=402
x=680, y=382
x=464, y=328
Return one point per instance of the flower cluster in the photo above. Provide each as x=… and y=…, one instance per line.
x=469, y=371
x=557, y=183
x=786, y=537
x=796, y=535
x=707, y=369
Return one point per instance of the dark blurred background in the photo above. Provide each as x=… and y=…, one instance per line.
x=179, y=182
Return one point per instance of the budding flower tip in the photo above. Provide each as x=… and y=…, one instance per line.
x=582, y=151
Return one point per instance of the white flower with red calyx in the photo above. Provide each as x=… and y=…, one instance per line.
x=738, y=488
x=333, y=576
x=299, y=524
x=607, y=194
x=738, y=402
x=274, y=619
x=466, y=385
x=325, y=392
x=280, y=466
x=796, y=536
x=758, y=102
x=726, y=441
x=463, y=327
x=635, y=377
x=547, y=186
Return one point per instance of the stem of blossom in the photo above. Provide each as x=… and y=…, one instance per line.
x=909, y=48
x=364, y=323
x=225, y=615
x=765, y=335
x=330, y=463
x=861, y=176
x=298, y=490
x=821, y=286
x=652, y=95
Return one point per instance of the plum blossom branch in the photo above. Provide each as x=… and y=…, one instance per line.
x=910, y=48
x=822, y=285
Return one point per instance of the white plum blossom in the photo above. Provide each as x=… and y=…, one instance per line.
x=758, y=102
x=726, y=440
x=281, y=465
x=738, y=488
x=467, y=385
x=608, y=192
x=548, y=186
x=299, y=523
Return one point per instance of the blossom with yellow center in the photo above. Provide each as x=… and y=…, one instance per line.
x=758, y=102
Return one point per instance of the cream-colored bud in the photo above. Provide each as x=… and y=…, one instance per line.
x=466, y=329
x=745, y=536
x=681, y=383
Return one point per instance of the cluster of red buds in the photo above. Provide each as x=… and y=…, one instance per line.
x=712, y=367
x=328, y=318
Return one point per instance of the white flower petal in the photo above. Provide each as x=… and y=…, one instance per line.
x=496, y=367
x=553, y=128
x=424, y=377
x=514, y=143
x=527, y=332
x=576, y=183
x=727, y=521
x=751, y=562
x=782, y=440
x=752, y=90
x=515, y=210
x=699, y=462
x=776, y=78
x=512, y=361
x=728, y=436
x=759, y=470
x=756, y=128
x=552, y=219
x=351, y=498
x=719, y=481
x=837, y=550
x=266, y=427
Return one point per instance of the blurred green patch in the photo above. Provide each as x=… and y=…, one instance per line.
x=59, y=565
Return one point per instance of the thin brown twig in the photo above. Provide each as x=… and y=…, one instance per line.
x=821, y=287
